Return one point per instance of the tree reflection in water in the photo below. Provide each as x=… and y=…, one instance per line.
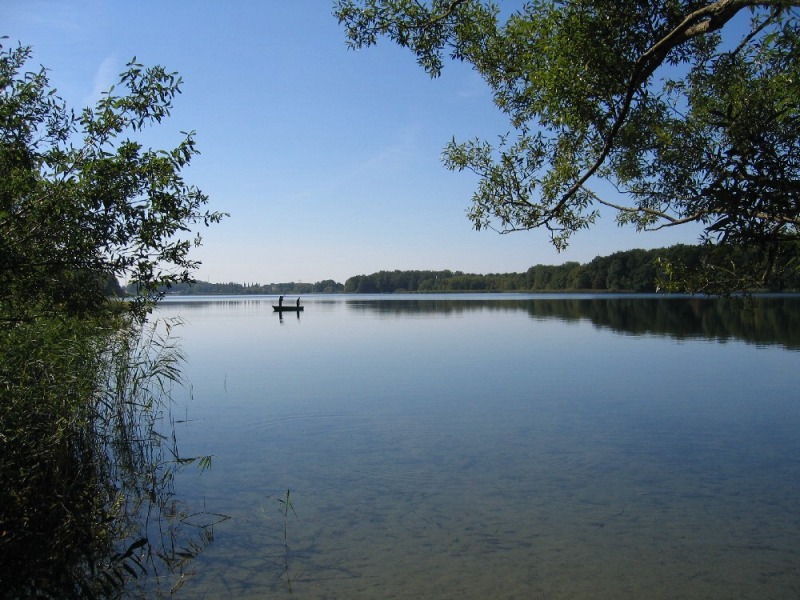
x=768, y=319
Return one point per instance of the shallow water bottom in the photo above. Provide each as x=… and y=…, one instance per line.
x=489, y=451
x=578, y=518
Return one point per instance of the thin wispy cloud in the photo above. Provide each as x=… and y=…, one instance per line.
x=473, y=86
x=105, y=76
x=394, y=156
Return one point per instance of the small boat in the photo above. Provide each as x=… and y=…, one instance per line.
x=287, y=308
x=281, y=307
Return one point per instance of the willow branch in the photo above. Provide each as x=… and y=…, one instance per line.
x=700, y=22
x=779, y=220
x=451, y=8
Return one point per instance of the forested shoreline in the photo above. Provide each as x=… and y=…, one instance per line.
x=637, y=270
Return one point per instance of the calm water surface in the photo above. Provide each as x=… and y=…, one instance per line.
x=502, y=446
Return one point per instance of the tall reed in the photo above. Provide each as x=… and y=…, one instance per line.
x=87, y=460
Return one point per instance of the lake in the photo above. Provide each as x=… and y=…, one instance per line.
x=493, y=446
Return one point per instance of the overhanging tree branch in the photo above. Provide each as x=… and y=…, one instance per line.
x=717, y=146
x=700, y=22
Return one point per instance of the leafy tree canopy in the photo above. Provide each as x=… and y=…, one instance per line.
x=690, y=110
x=86, y=469
x=83, y=202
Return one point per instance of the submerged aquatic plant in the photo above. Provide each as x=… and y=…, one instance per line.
x=285, y=505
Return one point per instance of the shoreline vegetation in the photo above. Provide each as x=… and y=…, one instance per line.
x=88, y=440
x=636, y=271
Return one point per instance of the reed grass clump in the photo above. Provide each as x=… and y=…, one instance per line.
x=87, y=459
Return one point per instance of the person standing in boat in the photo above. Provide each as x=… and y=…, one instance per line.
x=280, y=301
x=298, y=302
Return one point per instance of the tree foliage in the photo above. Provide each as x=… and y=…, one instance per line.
x=689, y=110
x=81, y=200
x=86, y=501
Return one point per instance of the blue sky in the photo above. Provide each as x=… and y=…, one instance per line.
x=327, y=159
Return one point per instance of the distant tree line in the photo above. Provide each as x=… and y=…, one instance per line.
x=204, y=288
x=629, y=271
x=626, y=271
